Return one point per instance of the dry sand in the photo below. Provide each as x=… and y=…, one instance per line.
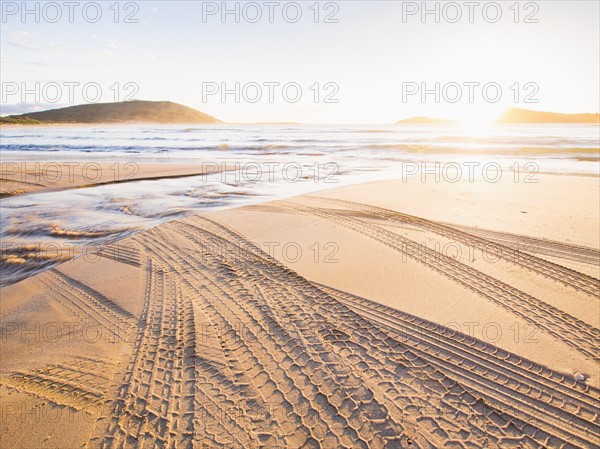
x=389, y=314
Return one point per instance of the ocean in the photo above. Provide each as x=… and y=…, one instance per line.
x=264, y=162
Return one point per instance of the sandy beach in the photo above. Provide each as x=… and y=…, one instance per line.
x=388, y=314
x=300, y=225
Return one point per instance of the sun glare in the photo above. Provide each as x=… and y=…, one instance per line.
x=478, y=121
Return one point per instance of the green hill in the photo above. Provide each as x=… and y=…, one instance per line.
x=18, y=120
x=123, y=112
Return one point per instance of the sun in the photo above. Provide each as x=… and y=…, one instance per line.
x=477, y=121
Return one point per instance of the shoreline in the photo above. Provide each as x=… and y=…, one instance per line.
x=63, y=246
x=144, y=171
x=14, y=182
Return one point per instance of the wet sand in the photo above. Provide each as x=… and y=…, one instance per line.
x=19, y=178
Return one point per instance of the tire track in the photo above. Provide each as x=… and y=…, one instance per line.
x=550, y=405
x=542, y=246
x=152, y=406
x=89, y=304
x=121, y=253
x=311, y=340
x=559, y=273
x=79, y=385
x=255, y=354
x=99, y=299
x=564, y=327
x=533, y=385
x=212, y=422
x=334, y=335
x=224, y=419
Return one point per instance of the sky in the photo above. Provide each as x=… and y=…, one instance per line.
x=311, y=62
